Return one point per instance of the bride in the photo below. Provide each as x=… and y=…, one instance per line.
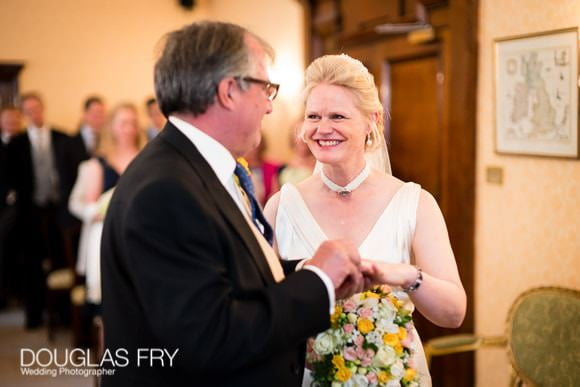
x=352, y=195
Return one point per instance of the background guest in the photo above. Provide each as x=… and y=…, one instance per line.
x=93, y=120
x=42, y=183
x=264, y=172
x=156, y=118
x=302, y=162
x=10, y=126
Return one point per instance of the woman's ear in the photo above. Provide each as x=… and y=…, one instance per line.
x=226, y=92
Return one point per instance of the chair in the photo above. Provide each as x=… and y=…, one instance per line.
x=542, y=338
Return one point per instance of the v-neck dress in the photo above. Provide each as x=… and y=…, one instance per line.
x=298, y=236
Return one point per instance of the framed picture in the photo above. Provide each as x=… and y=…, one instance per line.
x=536, y=94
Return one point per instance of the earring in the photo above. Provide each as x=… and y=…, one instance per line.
x=369, y=141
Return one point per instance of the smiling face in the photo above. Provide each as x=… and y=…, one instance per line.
x=334, y=128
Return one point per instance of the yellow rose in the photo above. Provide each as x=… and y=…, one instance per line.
x=398, y=349
x=383, y=377
x=410, y=374
x=370, y=294
x=335, y=316
x=338, y=361
x=365, y=325
x=391, y=339
x=343, y=374
x=402, y=333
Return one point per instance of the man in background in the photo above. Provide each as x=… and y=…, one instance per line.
x=93, y=120
x=42, y=180
x=10, y=126
x=156, y=118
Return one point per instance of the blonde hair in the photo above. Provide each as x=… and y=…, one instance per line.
x=106, y=142
x=345, y=71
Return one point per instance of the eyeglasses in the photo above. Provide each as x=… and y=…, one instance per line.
x=270, y=88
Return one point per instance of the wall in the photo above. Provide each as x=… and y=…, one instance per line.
x=527, y=228
x=73, y=48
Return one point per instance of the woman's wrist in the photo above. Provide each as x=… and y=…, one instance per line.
x=416, y=281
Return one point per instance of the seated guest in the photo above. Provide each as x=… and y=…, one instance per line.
x=120, y=143
x=156, y=118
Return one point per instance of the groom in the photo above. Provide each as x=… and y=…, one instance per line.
x=185, y=270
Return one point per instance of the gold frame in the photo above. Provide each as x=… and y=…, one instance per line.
x=537, y=150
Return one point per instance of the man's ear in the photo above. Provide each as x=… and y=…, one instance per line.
x=226, y=93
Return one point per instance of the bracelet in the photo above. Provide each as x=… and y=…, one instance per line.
x=417, y=283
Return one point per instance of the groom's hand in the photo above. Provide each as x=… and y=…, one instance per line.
x=340, y=260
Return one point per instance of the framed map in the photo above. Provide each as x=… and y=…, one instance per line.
x=536, y=94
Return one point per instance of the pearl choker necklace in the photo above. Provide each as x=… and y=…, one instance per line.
x=347, y=189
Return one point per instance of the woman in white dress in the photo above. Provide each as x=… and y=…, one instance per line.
x=352, y=195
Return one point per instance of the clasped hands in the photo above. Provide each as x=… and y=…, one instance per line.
x=350, y=274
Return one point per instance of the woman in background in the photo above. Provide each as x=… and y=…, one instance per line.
x=119, y=144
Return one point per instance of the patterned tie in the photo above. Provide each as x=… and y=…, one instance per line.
x=245, y=182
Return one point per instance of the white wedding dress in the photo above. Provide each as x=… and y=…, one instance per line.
x=298, y=236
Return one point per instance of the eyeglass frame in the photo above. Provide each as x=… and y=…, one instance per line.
x=267, y=86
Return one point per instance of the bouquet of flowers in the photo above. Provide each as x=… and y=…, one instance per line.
x=370, y=343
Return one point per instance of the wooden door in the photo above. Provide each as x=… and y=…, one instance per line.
x=414, y=131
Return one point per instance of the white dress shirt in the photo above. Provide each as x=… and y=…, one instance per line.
x=223, y=164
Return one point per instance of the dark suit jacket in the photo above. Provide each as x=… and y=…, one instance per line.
x=79, y=149
x=181, y=269
x=20, y=172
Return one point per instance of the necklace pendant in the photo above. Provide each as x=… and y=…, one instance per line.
x=344, y=192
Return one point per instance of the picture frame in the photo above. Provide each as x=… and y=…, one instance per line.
x=536, y=94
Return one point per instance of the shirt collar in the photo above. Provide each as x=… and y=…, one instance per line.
x=217, y=156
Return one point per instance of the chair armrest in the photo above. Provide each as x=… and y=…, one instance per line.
x=447, y=345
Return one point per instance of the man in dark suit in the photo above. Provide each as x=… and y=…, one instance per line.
x=183, y=269
x=85, y=142
x=41, y=171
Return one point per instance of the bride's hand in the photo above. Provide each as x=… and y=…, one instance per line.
x=392, y=274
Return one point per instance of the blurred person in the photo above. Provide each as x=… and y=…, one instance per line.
x=302, y=162
x=10, y=123
x=121, y=141
x=264, y=173
x=156, y=118
x=10, y=126
x=41, y=171
x=92, y=123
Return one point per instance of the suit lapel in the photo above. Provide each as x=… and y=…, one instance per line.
x=217, y=193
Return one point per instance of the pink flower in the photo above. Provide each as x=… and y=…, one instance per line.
x=366, y=361
x=365, y=313
x=360, y=352
x=349, y=305
x=348, y=328
x=370, y=353
x=407, y=342
x=359, y=340
x=350, y=353
x=371, y=377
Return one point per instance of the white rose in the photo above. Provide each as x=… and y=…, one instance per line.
x=323, y=344
x=386, y=312
x=384, y=357
x=352, y=318
x=397, y=370
x=359, y=381
x=393, y=383
x=374, y=337
x=370, y=302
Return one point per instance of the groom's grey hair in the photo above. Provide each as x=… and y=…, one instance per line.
x=195, y=59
